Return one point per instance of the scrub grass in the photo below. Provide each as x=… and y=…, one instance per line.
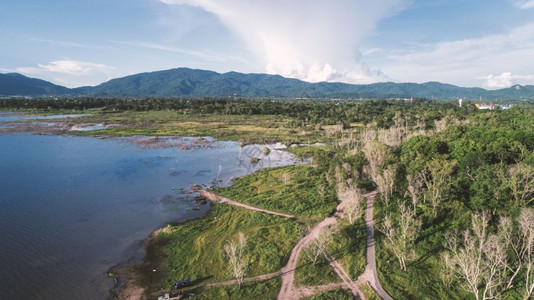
x=250, y=129
x=194, y=249
x=291, y=190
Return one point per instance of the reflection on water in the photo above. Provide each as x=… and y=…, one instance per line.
x=72, y=207
x=9, y=116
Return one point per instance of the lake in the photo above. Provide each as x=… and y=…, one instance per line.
x=72, y=207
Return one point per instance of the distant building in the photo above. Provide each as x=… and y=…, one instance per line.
x=485, y=106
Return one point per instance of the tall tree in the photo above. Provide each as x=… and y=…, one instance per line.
x=437, y=180
x=478, y=259
x=401, y=233
x=352, y=200
x=235, y=252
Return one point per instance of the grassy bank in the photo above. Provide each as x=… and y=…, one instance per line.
x=194, y=249
x=293, y=190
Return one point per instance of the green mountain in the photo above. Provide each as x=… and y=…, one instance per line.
x=14, y=84
x=184, y=82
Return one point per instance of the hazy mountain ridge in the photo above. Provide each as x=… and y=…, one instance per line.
x=184, y=82
x=17, y=84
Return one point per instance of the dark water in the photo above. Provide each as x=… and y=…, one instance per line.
x=72, y=207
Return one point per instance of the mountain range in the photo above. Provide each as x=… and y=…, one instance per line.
x=184, y=82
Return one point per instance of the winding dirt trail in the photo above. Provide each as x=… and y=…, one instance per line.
x=288, y=290
x=257, y=278
x=216, y=198
x=371, y=275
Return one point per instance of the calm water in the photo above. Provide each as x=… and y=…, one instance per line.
x=9, y=116
x=72, y=207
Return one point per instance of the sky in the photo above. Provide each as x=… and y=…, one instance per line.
x=470, y=43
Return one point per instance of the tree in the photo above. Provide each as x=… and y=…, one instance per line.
x=238, y=262
x=376, y=154
x=522, y=245
x=352, y=202
x=401, y=233
x=386, y=183
x=520, y=180
x=437, y=180
x=526, y=237
x=477, y=258
x=318, y=245
x=415, y=188
x=286, y=178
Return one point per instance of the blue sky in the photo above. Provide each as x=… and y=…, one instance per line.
x=463, y=42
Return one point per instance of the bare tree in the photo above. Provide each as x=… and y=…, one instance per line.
x=385, y=183
x=367, y=135
x=526, y=233
x=235, y=253
x=352, y=199
x=286, y=178
x=338, y=176
x=217, y=180
x=522, y=246
x=415, y=188
x=393, y=136
x=478, y=259
x=321, y=190
x=313, y=250
x=440, y=124
x=401, y=233
x=318, y=246
x=376, y=154
x=520, y=181
x=436, y=178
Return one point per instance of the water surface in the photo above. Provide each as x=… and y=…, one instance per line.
x=13, y=116
x=72, y=207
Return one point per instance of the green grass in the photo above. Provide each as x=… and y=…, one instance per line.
x=268, y=289
x=194, y=249
x=308, y=274
x=338, y=294
x=349, y=246
x=303, y=152
x=250, y=129
x=422, y=280
x=368, y=292
x=266, y=189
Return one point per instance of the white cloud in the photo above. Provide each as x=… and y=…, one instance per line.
x=524, y=4
x=467, y=62
x=505, y=80
x=70, y=73
x=66, y=43
x=313, y=40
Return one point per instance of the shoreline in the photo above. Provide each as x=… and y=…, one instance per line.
x=127, y=278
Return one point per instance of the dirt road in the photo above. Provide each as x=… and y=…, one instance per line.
x=215, y=198
x=371, y=275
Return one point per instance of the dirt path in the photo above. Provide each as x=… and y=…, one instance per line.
x=257, y=278
x=215, y=198
x=288, y=272
x=371, y=275
x=310, y=291
x=288, y=290
x=353, y=286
